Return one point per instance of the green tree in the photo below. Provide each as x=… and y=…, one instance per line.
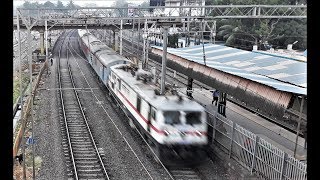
x=244, y=33
x=29, y=5
x=34, y=6
x=265, y=32
x=236, y=34
x=144, y=4
x=48, y=4
x=60, y=5
x=289, y=32
x=71, y=5
x=121, y=3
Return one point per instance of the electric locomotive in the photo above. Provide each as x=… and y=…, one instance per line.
x=171, y=123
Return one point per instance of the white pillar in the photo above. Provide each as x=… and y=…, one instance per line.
x=164, y=59
x=121, y=27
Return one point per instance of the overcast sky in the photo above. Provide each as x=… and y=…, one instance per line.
x=105, y=3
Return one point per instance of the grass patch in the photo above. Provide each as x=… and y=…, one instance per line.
x=37, y=162
x=16, y=86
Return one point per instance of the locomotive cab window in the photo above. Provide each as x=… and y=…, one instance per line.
x=153, y=113
x=95, y=60
x=193, y=117
x=119, y=84
x=138, y=103
x=171, y=117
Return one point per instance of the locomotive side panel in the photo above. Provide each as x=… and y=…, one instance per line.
x=128, y=98
x=84, y=47
x=138, y=108
x=95, y=64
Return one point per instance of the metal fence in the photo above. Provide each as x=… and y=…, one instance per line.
x=253, y=152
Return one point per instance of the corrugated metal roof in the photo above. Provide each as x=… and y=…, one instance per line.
x=281, y=73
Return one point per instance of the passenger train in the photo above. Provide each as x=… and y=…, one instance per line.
x=169, y=123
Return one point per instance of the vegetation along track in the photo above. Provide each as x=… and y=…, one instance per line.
x=83, y=157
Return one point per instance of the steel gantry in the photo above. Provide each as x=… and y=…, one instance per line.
x=103, y=16
x=119, y=18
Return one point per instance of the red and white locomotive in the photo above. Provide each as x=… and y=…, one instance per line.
x=169, y=122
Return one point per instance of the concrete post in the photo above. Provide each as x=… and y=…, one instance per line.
x=298, y=128
x=214, y=128
x=231, y=140
x=164, y=59
x=147, y=53
x=132, y=35
x=254, y=153
x=284, y=164
x=203, y=50
x=110, y=35
x=41, y=42
x=47, y=54
x=214, y=33
x=116, y=40
x=139, y=33
x=188, y=36
x=121, y=36
x=145, y=39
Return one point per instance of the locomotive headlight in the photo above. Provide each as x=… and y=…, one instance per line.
x=199, y=133
x=171, y=133
x=166, y=133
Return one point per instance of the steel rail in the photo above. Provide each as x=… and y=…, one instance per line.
x=84, y=117
x=64, y=113
x=111, y=118
x=152, y=151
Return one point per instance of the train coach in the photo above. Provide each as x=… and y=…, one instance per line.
x=170, y=122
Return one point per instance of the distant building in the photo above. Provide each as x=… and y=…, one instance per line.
x=157, y=2
x=178, y=11
x=185, y=11
x=131, y=7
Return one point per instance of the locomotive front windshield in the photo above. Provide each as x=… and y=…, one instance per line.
x=171, y=117
x=174, y=117
x=193, y=117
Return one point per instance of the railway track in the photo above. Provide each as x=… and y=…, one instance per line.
x=84, y=160
x=184, y=173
